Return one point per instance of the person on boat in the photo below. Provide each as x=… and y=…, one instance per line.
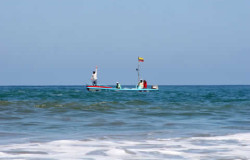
x=145, y=85
x=140, y=84
x=94, y=77
x=118, y=85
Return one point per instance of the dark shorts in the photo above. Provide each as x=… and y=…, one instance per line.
x=94, y=83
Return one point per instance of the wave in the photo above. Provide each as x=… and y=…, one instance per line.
x=137, y=102
x=5, y=103
x=234, y=146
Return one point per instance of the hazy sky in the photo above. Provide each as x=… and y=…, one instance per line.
x=59, y=42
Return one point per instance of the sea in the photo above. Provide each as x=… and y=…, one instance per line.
x=176, y=122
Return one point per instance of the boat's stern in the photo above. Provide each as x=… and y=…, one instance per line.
x=96, y=88
x=155, y=87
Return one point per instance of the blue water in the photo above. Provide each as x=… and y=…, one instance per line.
x=176, y=122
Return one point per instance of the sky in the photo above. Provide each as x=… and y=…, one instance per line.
x=183, y=42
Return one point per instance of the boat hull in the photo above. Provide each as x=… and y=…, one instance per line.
x=106, y=88
x=96, y=88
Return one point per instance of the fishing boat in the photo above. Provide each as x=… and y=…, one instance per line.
x=141, y=87
x=107, y=88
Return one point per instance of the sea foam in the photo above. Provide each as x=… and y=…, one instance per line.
x=236, y=146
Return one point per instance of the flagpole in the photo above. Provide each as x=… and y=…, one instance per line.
x=138, y=70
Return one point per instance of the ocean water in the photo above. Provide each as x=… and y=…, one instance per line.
x=176, y=122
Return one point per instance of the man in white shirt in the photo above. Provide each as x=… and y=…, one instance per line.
x=94, y=77
x=140, y=84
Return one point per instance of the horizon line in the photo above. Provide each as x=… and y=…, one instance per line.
x=124, y=85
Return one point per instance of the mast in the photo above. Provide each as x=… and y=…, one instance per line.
x=138, y=70
x=140, y=59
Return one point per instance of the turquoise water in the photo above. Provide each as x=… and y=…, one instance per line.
x=176, y=122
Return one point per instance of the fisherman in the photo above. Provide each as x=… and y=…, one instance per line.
x=140, y=84
x=118, y=85
x=145, y=84
x=94, y=77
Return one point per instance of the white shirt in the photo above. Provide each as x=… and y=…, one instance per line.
x=94, y=76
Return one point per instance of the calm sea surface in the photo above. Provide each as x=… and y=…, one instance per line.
x=176, y=122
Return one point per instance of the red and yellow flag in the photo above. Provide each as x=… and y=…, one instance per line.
x=140, y=59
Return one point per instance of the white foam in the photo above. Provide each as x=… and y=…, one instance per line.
x=235, y=146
